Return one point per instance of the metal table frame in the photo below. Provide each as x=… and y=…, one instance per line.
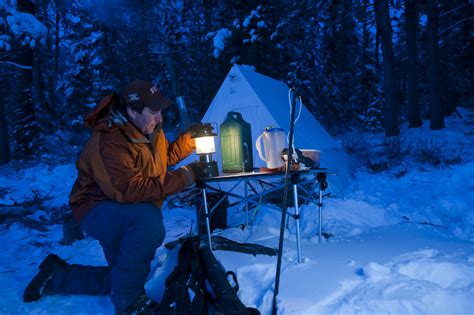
x=296, y=177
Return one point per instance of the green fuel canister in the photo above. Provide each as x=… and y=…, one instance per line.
x=236, y=144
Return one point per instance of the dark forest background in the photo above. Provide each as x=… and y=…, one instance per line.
x=366, y=65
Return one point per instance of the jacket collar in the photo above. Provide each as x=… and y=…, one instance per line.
x=131, y=132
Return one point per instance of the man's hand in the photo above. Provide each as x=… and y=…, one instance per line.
x=198, y=169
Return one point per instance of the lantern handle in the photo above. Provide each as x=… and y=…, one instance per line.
x=211, y=123
x=217, y=126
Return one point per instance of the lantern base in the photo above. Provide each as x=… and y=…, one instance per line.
x=209, y=168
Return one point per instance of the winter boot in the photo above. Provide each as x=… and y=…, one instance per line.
x=38, y=286
x=143, y=305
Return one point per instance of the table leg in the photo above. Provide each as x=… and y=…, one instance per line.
x=297, y=220
x=246, y=189
x=206, y=212
x=320, y=206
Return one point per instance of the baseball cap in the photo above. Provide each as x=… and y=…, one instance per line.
x=145, y=92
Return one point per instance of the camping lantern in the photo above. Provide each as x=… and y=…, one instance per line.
x=205, y=147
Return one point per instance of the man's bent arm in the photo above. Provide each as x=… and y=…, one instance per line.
x=120, y=180
x=183, y=146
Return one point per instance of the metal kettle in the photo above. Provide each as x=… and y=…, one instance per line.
x=274, y=140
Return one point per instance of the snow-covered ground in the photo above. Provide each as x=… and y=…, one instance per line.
x=401, y=240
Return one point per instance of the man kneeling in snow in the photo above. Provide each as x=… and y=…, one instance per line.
x=121, y=184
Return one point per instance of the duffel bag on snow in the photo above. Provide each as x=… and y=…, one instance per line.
x=186, y=290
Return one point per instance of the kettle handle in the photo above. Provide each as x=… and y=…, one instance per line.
x=258, y=144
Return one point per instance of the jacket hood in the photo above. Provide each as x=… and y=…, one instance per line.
x=106, y=117
x=99, y=117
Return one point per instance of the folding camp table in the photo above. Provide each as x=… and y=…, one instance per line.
x=297, y=179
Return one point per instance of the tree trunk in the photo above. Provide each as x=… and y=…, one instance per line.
x=57, y=26
x=436, y=110
x=365, y=30
x=25, y=128
x=55, y=73
x=5, y=154
x=366, y=82
x=411, y=18
x=390, y=111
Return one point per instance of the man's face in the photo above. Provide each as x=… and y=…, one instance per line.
x=147, y=120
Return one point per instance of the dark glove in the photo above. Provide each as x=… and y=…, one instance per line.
x=198, y=169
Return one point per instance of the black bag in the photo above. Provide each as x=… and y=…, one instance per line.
x=186, y=291
x=218, y=217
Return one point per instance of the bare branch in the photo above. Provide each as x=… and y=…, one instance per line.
x=4, y=191
x=8, y=210
x=30, y=223
x=28, y=206
x=455, y=25
x=16, y=65
x=453, y=10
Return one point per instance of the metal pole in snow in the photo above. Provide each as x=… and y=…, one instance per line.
x=285, y=206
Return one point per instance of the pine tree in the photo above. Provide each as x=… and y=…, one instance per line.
x=86, y=78
x=25, y=128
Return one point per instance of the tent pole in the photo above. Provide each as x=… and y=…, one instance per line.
x=289, y=161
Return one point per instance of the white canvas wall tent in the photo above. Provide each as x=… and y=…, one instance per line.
x=264, y=102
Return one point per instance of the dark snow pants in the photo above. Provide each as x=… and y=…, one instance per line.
x=129, y=235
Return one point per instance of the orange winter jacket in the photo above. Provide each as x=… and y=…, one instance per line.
x=119, y=163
